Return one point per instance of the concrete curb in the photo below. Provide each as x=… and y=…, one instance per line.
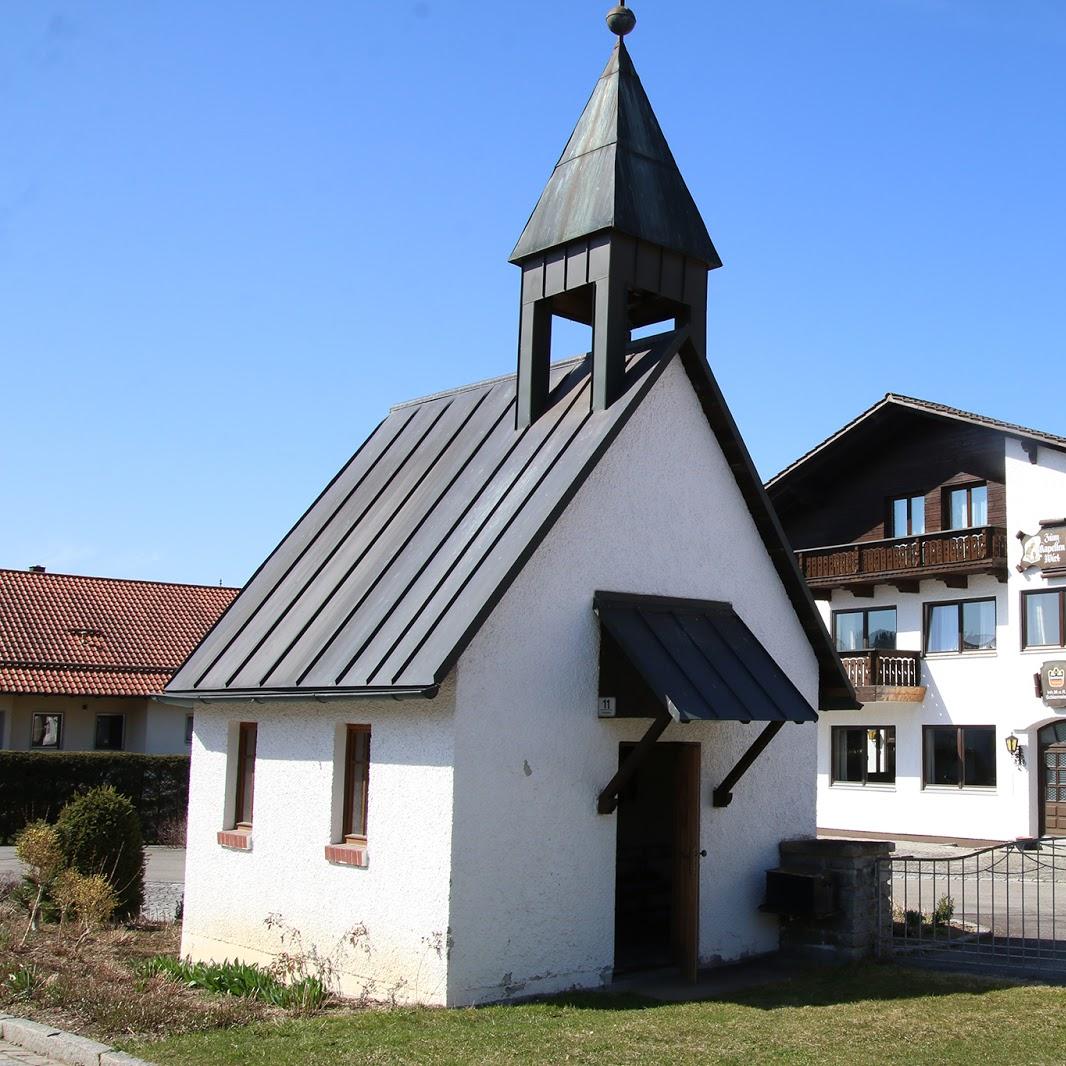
x=64, y=1047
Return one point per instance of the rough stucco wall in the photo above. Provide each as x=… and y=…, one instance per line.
x=533, y=863
x=975, y=689
x=401, y=898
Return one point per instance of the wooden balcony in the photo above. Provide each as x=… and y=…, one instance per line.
x=952, y=556
x=884, y=676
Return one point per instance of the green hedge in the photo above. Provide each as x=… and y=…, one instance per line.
x=38, y=784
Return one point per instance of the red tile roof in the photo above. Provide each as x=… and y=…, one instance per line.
x=99, y=636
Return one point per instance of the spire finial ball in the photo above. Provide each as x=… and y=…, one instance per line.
x=621, y=20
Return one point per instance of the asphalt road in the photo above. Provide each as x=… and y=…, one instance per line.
x=163, y=864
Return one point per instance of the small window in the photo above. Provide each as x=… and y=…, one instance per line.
x=46, y=731
x=873, y=627
x=968, y=506
x=960, y=626
x=245, y=793
x=1043, y=624
x=188, y=730
x=110, y=729
x=864, y=755
x=356, y=783
x=908, y=516
x=960, y=756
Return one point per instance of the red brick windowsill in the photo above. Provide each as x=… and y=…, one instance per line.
x=347, y=854
x=239, y=839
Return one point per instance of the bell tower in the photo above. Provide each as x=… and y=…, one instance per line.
x=615, y=241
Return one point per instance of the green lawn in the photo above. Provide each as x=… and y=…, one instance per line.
x=855, y=1015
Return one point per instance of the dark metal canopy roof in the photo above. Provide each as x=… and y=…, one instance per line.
x=617, y=172
x=700, y=660
x=381, y=584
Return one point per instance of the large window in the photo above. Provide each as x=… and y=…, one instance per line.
x=960, y=626
x=245, y=794
x=960, y=756
x=109, y=731
x=1043, y=621
x=46, y=731
x=907, y=516
x=967, y=506
x=873, y=627
x=864, y=755
x=356, y=783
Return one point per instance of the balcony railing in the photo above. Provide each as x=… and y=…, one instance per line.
x=959, y=551
x=886, y=675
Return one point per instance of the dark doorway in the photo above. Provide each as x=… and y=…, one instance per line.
x=657, y=863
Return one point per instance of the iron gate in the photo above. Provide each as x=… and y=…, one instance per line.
x=1000, y=907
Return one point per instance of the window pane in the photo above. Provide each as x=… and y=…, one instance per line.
x=357, y=779
x=980, y=748
x=881, y=754
x=1042, y=619
x=918, y=514
x=109, y=732
x=848, y=630
x=957, y=507
x=979, y=505
x=881, y=625
x=246, y=795
x=848, y=754
x=979, y=625
x=943, y=634
x=188, y=729
x=941, y=756
x=45, y=730
x=899, y=518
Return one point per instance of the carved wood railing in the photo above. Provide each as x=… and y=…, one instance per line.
x=903, y=555
x=881, y=667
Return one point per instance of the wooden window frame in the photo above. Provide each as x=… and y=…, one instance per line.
x=838, y=730
x=96, y=732
x=960, y=754
x=967, y=487
x=62, y=730
x=244, y=731
x=348, y=833
x=1061, y=593
x=927, y=612
x=865, y=612
x=891, y=519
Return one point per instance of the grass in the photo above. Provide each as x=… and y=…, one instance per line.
x=867, y=1014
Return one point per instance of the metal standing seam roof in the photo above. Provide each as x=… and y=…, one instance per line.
x=617, y=172
x=381, y=584
x=940, y=410
x=700, y=660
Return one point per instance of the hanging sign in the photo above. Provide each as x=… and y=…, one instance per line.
x=1046, y=549
x=1053, y=682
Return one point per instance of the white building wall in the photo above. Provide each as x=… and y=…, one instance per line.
x=533, y=876
x=397, y=905
x=983, y=688
x=164, y=729
x=79, y=719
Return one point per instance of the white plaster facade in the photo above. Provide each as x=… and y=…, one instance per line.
x=976, y=688
x=149, y=726
x=490, y=874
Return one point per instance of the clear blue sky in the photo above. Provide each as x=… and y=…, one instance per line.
x=232, y=234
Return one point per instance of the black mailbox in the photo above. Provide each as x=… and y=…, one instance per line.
x=798, y=895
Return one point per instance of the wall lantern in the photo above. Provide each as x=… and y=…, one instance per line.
x=1015, y=749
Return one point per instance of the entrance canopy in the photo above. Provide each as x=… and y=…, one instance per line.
x=696, y=658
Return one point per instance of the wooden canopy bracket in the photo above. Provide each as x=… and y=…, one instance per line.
x=722, y=796
x=608, y=798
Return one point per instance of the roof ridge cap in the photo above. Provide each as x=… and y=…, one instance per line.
x=124, y=580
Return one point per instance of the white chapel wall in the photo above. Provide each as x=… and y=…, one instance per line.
x=533, y=863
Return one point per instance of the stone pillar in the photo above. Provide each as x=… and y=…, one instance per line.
x=859, y=880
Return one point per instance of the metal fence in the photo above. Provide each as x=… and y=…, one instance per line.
x=1000, y=907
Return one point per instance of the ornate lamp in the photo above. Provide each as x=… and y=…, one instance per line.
x=1015, y=749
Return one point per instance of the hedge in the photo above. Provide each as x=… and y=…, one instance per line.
x=38, y=784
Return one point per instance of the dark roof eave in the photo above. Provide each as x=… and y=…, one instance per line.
x=407, y=692
x=835, y=691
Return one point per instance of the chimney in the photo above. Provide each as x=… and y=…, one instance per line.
x=37, y=569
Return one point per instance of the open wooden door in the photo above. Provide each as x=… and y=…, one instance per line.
x=686, y=881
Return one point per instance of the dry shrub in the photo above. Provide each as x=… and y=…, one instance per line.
x=89, y=899
x=171, y=832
